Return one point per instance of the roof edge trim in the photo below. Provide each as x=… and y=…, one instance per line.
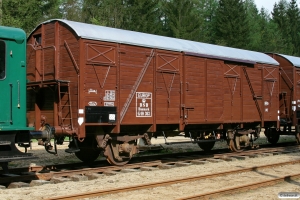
x=219, y=57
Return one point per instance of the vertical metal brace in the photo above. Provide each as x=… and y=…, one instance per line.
x=191, y=136
x=11, y=112
x=104, y=80
x=19, y=94
x=165, y=137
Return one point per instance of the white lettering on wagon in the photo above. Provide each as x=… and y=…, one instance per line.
x=143, y=104
x=92, y=91
x=109, y=104
x=92, y=103
x=109, y=95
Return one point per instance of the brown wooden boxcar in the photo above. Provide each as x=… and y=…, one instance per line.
x=289, y=97
x=106, y=88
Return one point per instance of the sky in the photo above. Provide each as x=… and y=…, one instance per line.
x=267, y=4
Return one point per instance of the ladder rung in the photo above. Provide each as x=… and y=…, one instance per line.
x=65, y=104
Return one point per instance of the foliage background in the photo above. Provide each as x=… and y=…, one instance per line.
x=234, y=23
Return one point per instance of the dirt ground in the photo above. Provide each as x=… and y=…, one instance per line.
x=173, y=192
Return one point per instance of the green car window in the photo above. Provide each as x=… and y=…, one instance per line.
x=2, y=59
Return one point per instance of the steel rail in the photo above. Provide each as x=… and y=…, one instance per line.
x=165, y=183
x=48, y=176
x=236, y=189
x=214, y=154
x=54, y=172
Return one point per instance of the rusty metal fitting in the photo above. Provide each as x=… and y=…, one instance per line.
x=63, y=131
x=43, y=120
x=104, y=142
x=230, y=134
x=245, y=139
x=146, y=138
x=40, y=142
x=125, y=147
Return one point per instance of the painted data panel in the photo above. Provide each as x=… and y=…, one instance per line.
x=143, y=104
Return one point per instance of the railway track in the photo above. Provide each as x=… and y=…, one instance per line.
x=37, y=174
x=243, y=187
x=192, y=179
x=290, y=146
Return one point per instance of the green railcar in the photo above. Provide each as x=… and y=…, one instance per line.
x=13, y=125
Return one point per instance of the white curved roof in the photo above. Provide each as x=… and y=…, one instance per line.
x=101, y=33
x=294, y=60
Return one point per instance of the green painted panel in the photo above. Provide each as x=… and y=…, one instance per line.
x=12, y=79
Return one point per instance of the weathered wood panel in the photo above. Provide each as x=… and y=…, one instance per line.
x=270, y=93
x=194, y=85
x=136, y=85
x=214, y=91
x=232, y=92
x=168, y=69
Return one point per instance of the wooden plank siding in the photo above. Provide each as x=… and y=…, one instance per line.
x=168, y=71
x=250, y=110
x=67, y=69
x=100, y=72
x=194, y=87
x=232, y=92
x=133, y=60
x=218, y=92
x=154, y=89
x=289, y=90
x=47, y=52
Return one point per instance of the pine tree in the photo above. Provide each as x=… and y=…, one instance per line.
x=293, y=19
x=280, y=18
x=109, y=13
x=28, y=14
x=180, y=19
x=143, y=16
x=279, y=14
x=254, y=32
x=91, y=11
x=270, y=36
x=206, y=13
x=232, y=26
x=71, y=10
x=0, y=12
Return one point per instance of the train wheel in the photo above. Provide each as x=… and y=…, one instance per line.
x=234, y=145
x=88, y=150
x=115, y=160
x=298, y=138
x=273, y=137
x=206, y=146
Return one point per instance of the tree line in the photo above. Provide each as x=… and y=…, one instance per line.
x=234, y=23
